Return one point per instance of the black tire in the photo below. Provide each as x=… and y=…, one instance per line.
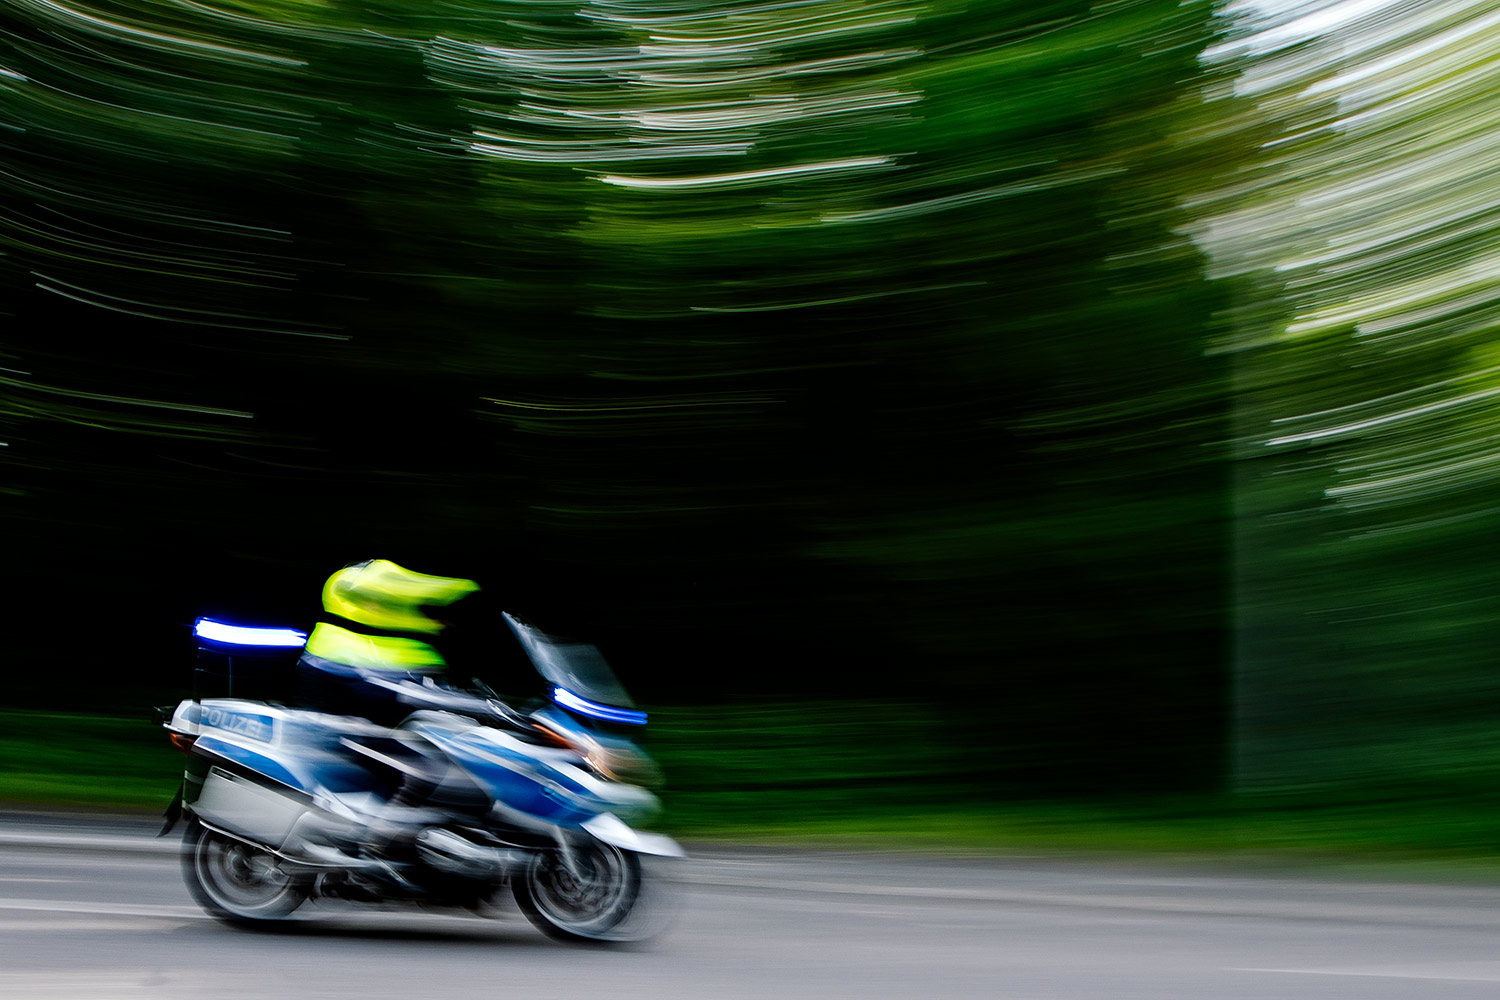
x=235, y=881
x=592, y=903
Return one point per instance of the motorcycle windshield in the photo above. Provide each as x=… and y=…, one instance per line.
x=580, y=679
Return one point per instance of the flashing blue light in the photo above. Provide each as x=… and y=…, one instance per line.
x=241, y=635
x=567, y=699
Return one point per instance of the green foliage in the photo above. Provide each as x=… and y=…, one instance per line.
x=1112, y=365
x=854, y=338
x=102, y=761
x=1366, y=603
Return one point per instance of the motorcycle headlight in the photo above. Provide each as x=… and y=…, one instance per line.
x=625, y=764
x=616, y=760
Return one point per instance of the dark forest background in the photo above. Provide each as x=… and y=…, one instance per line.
x=803, y=352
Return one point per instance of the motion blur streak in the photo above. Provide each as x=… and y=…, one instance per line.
x=1368, y=455
x=1119, y=374
x=870, y=334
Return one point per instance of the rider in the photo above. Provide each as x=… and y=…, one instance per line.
x=373, y=651
x=372, y=656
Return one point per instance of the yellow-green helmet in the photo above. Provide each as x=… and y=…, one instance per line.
x=382, y=595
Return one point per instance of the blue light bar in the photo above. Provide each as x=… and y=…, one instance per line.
x=567, y=699
x=241, y=635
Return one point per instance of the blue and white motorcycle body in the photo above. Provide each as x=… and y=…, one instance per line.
x=285, y=804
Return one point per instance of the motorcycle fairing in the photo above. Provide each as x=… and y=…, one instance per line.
x=532, y=780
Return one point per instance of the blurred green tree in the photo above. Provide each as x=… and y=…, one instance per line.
x=1365, y=386
x=853, y=343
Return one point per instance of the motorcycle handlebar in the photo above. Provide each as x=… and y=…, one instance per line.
x=487, y=709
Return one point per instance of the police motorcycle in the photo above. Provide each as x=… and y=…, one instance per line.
x=280, y=803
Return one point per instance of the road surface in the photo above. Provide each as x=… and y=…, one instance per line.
x=97, y=909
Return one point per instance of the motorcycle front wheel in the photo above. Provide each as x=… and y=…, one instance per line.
x=234, y=881
x=588, y=895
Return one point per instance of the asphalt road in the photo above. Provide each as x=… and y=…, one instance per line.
x=97, y=910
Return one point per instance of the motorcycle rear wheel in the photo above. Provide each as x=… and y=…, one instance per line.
x=237, y=882
x=591, y=901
